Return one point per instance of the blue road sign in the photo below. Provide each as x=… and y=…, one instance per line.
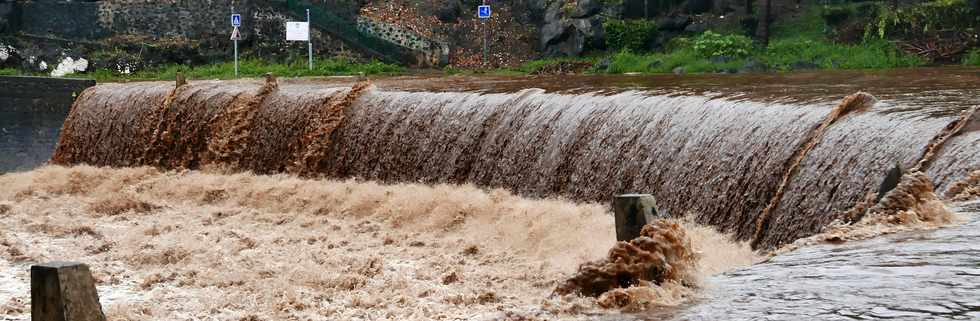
x=483, y=12
x=236, y=20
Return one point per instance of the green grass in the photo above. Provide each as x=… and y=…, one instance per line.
x=628, y=62
x=251, y=68
x=9, y=72
x=782, y=53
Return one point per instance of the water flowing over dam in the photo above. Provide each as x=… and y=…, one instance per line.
x=721, y=151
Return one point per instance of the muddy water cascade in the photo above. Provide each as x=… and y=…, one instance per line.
x=770, y=170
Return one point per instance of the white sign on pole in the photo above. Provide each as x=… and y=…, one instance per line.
x=235, y=34
x=297, y=31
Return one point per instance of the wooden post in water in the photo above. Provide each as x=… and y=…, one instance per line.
x=633, y=211
x=64, y=291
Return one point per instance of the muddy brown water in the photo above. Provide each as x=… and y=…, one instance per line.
x=713, y=145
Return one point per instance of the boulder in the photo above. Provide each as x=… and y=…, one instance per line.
x=565, y=36
x=679, y=70
x=586, y=8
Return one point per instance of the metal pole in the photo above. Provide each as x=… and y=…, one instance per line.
x=236, y=57
x=236, y=46
x=486, y=36
x=310, y=40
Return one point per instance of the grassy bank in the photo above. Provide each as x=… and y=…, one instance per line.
x=247, y=68
x=253, y=68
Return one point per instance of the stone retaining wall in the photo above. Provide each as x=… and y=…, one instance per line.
x=32, y=111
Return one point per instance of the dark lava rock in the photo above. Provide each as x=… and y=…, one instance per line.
x=563, y=36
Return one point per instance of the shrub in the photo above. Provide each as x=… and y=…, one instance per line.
x=631, y=35
x=922, y=19
x=972, y=58
x=710, y=44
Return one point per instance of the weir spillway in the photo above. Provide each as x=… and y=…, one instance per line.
x=718, y=157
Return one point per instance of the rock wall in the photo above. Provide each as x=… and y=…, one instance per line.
x=431, y=53
x=128, y=35
x=32, y=111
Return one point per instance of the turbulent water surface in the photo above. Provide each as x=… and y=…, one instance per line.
x=766, y=159
x=932, y=275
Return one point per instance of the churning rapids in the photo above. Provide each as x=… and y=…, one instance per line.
x=475, y=198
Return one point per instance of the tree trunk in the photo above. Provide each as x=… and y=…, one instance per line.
x=764, y=22
x=748, y=7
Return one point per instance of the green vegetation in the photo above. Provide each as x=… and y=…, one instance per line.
x=922, y=19
x=629, y=34
x=247, y=69
x=802, y=42
x=710, y=44
x=628, y=62
x=972, y=58
x=253, y=68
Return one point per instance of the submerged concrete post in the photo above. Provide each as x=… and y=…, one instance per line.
x=64, y=291
x=891, y=181
x=633, y=211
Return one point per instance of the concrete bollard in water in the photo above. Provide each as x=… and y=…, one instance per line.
x=633, y=211
x=64, y=291
x=890, y=182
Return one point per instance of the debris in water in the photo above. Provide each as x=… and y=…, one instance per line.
x=662, y=253
x=966, y=189
x=912, y=205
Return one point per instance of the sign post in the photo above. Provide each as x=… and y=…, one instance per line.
x=483, y=12
x=300, y=31
x=236, y=21
x=309, y=39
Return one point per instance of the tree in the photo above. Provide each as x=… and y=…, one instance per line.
x=764, y=22
x=748, y=7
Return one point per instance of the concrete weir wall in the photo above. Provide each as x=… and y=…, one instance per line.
x=32, y=111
